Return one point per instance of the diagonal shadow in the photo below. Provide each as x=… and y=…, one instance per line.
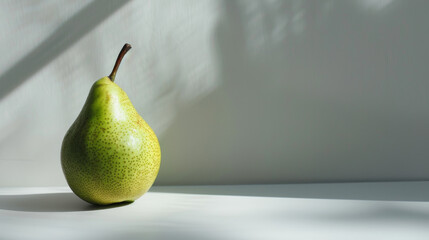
x=371, y=191
x=49, y=202
x=66, y=34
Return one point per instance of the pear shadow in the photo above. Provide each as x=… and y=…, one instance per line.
x=50, y=202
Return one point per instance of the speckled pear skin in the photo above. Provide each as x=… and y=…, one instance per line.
x=110, y=154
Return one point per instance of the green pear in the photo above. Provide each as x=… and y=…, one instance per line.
x=110, y=154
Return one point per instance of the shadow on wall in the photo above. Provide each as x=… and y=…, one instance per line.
x=305, y=90
x=311, y=91
x=59, y=41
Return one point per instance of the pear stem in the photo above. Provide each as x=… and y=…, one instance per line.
x=121, y=55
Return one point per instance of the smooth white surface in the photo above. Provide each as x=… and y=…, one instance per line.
x=328, y=211
x=268, y=91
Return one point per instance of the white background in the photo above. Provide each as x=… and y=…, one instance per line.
x=237, y=91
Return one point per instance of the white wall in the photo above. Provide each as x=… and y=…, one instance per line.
x=237, y=91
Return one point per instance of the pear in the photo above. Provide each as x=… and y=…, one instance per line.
x=110, y=154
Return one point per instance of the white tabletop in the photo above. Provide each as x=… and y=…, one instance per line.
x=387, y=210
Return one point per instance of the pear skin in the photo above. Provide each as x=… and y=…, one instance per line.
x=110, y=154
